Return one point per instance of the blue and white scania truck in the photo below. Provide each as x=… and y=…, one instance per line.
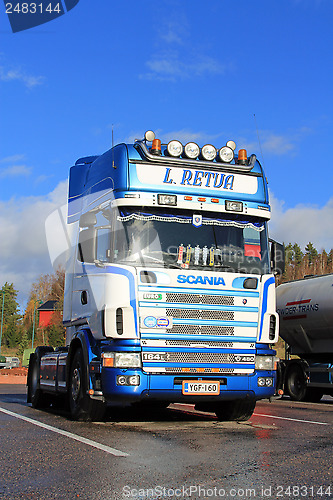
x=170, y=291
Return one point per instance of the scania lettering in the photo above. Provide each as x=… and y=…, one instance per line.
x=193, y=280
x=169, y=290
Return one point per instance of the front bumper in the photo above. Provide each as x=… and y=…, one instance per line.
x=169, y=387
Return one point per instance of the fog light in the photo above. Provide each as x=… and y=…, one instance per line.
x=134, y=380
x=208, y=152
x=226, y=154
x=175, y=148
x=192, y=150
x=128, y=380
x=121, y=380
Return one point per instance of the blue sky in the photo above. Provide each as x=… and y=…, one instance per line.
x=186, y=69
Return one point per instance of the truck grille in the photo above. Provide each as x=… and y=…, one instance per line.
x=189, y=343
x=198, y=314
x=187, y=298
x=201, y=330
x=203, y=357
x=200, y=370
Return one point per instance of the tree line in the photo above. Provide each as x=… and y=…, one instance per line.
x=19, y=329
x=305, y=263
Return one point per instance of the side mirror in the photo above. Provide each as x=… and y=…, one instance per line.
x=88, y=220
x=277, y=257
x=87, y=245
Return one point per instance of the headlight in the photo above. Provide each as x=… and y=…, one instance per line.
x=127, y=360
x=226, y=154
x=192, y=150
x=175, y=148
x=209, y=152
x=121, y=359
x=264, y=362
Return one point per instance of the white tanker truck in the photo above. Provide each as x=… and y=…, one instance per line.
x=305, y=307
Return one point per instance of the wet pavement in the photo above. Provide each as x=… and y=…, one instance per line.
x=284, y=451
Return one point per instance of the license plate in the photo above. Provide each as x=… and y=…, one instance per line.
x=191, y=387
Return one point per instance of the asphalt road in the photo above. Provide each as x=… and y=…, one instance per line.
x=283, y=452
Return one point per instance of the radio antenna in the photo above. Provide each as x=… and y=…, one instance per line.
x=262, y=156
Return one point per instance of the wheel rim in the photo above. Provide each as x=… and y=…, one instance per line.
x=76, y=383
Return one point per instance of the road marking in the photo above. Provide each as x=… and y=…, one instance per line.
x=292, y=419
x=89, y=442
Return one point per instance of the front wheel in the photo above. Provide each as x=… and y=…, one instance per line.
x=82, y=407
x=239, y=410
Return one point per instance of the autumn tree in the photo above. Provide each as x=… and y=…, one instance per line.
x=47, y=287
x=10, y=316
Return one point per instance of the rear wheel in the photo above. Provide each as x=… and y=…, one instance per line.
x=296, y=383
x=82, y=407
x=36, y=396
x=239, y=410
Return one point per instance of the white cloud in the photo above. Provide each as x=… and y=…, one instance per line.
x=302, y=223
x=15, y=171
x=12, y=159
x=174, y=32
x=23, y=254
x=30, y=81
x=277, y=144
x=171, y=66
x=274, y=143
x=185, y=135
x=178, y=56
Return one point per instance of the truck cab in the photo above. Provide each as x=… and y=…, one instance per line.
x=170, y=294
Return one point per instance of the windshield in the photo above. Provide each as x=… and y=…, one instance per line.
x=174, y=238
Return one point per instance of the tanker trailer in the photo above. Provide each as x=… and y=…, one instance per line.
x=305, y=307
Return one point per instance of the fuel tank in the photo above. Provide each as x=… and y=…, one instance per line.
x=306, y=314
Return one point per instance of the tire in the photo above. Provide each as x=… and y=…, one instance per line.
x=239, y=410
x=296, y=383
x=36, y=396
x=82, y=407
